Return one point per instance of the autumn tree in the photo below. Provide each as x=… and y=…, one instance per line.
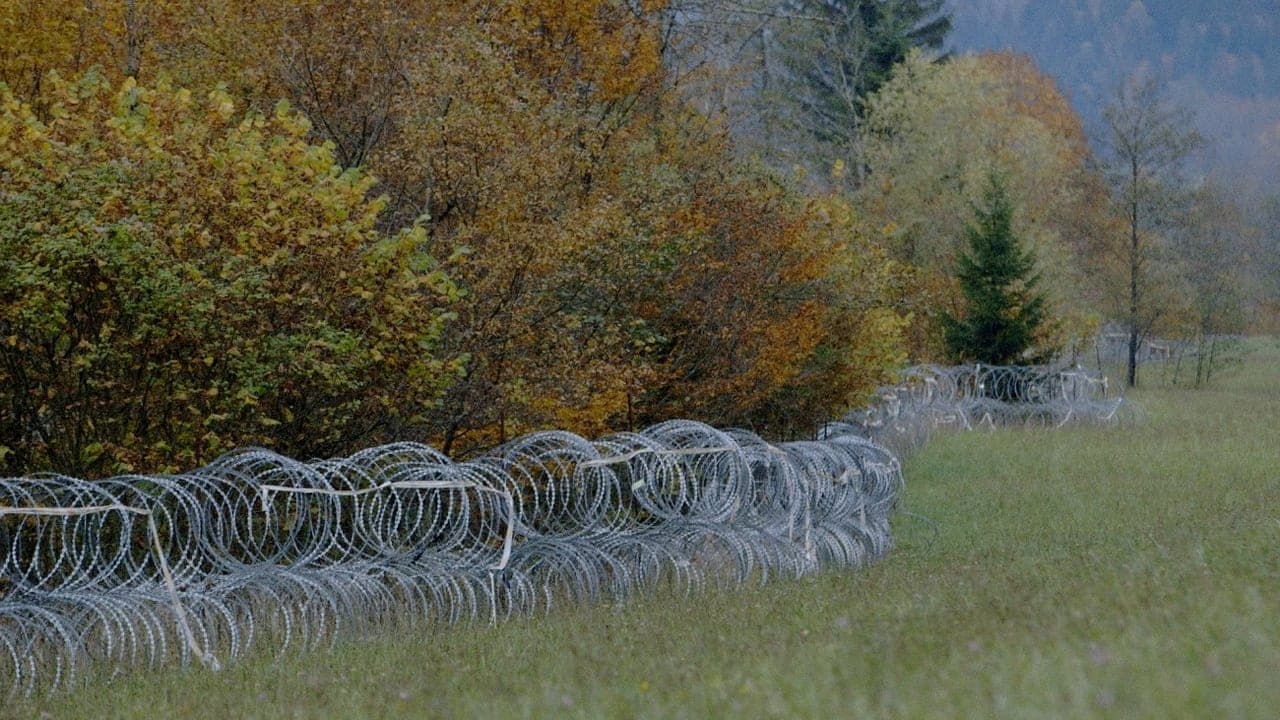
x=1148, y=139
x=603, y=236
x=934, y=133
x=772, y=311
x=1212, y=243
x=118, y=37
x=1266, y=313
x=616, y=264
x=179, y=277
x=43, y=36
x=863, y=300
x=490, y=127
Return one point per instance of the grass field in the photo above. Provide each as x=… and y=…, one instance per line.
x=1129, y=572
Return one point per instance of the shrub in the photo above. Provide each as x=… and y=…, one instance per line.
x=178, y=278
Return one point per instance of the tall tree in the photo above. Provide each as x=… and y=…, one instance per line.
x=615, y=264
x=1004, y=310
x=1266, y=311
x=832, y=55
x=1148, y=140
x=1214, y=242
x=932, y=136
x=934, y=132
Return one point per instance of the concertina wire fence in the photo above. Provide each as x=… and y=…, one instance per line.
x=258, y=550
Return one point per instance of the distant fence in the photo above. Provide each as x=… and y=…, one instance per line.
x=258, y=550
x=966, y=397
x=1112, y=348
x=1176, y=361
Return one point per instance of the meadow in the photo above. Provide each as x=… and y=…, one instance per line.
x=1083, y=572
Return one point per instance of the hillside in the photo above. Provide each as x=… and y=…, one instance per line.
x=1222, y=59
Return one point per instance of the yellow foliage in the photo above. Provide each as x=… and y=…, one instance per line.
x=935, y=132
x=615, y=264
x=166, y=261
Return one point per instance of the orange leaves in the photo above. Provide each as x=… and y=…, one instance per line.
x=611, y=45
x=1036, y=95
x=613, y=262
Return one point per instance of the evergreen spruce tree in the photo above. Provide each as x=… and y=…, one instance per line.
x=997, y=276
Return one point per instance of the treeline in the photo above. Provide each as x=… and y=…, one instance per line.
x=1121, y=224
x=316, y=225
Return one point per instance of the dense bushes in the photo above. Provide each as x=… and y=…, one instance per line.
x=178, y=277
x=614, y=263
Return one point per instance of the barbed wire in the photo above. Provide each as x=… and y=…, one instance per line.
x=262, y=550
x=257, y=550
x=966, y=397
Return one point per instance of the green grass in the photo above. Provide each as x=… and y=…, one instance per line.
x=1084, y=572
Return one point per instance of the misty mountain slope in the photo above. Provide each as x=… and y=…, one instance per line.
x=1222, y=59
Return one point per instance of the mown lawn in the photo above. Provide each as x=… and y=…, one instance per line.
x=1085, y=572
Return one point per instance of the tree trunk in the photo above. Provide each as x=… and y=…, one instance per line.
x=1213, y=357
x=1200, y=358
x=1133, y=311
x=1133, y=278
x=132, y=40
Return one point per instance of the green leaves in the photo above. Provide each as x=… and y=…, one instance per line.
x=997, y=276
x=177, y=282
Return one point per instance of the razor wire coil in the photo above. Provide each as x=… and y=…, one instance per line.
x=260, y=550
